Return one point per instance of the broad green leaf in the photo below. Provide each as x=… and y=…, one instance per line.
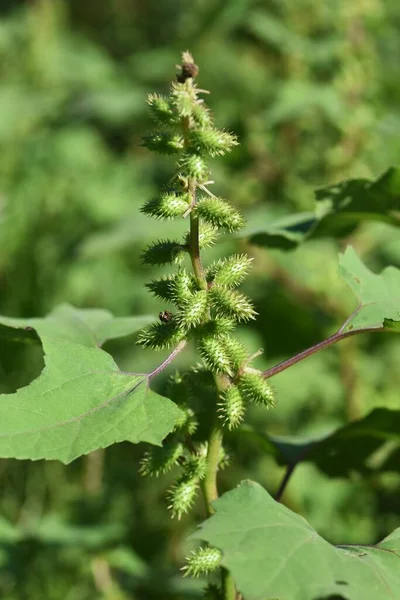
x=285, y=233
x=274, y=553
x=338, y=453
x=340, y=209
x=87, y=326
x=379, y=295
x=80, y=402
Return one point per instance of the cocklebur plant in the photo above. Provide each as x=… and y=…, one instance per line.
x=252, y=547
x=207, y=304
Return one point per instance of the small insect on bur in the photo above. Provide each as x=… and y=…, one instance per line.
x=165, y=316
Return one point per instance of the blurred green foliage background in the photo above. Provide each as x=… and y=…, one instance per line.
x=311, y=89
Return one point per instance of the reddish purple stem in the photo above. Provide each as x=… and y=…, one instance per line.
x=333, y=339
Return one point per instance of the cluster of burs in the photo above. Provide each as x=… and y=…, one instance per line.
x=207, y=303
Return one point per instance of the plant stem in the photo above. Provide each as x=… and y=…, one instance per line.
x=228, y=585
x=209, y=485
x=210, y=489
x=168, y=360
x=288, y=473
x=195, y=249
x=333, y=339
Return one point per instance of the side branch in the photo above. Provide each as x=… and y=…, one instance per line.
x=333, y=339
x=168, y=360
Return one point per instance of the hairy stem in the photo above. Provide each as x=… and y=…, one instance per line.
x=228, y=586
x=168, y=360
x=210, y=489
x=195, y=250
x=209, y=485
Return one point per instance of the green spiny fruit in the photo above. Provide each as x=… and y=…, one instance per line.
x=255, y=388
x=216, y=327
x=164, y=142
x=224, y=459
x=160, y=335
x=201, y=115
x=163, y=252
x=187, y=423
x=194, y=309
x=236, y=350
x=183, y=96
x=161, y=288
x=207, y=236
x=215, y=356
x=196, y=464
x=160, y=460
x=202, y=561
x=211, y=141
x=231, y=407
x=162, y=110
x=183, y=287
x=182, y=495
x=231, y=304
x=229, y=271
x=168, y=205
x=219, y=214
x=194, y=166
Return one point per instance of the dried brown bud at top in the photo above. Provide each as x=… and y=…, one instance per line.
x=189, y=70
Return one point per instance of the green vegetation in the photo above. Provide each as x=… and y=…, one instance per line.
x=304, y=95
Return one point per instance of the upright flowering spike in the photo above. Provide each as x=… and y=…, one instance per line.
x=207, y=305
